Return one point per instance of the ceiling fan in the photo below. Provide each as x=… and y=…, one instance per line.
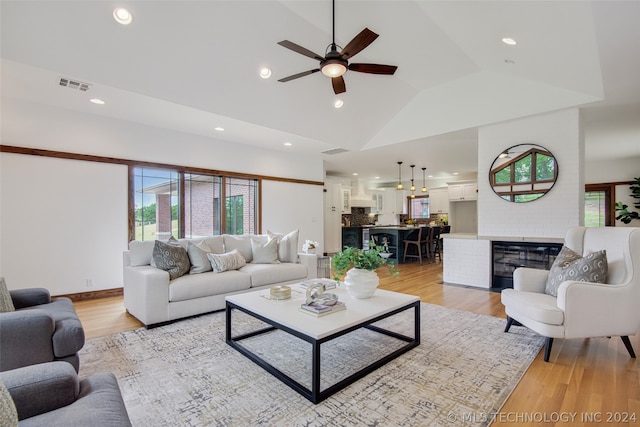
x=334, y=64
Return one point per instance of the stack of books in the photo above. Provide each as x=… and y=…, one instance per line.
x=322, y=310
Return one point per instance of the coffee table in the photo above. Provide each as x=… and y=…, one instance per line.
x=285, y=316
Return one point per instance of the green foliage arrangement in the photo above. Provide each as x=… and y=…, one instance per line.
x=370, y=259
x=624, y=214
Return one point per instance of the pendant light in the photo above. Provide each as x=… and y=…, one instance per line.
x=413, y=187
x=399, y=187
x=424, y=183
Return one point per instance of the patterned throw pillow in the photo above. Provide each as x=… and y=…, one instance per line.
x=171, y=257
x=8, y=412
x=230, y=261
x=572, y=266
x=265, y=253
x=6, y=303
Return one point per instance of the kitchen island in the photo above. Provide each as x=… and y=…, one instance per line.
x=395, y=237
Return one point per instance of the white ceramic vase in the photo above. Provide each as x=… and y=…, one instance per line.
x=361, y=283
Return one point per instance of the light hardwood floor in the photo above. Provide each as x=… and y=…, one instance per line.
x=584, y=379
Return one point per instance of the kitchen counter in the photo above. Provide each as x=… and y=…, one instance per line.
x=503, y=238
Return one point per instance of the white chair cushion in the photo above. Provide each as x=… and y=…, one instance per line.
x=533, y=305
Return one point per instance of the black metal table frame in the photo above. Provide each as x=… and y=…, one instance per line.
x=315, y=395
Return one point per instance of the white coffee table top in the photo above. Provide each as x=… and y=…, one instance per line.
x=286, y=312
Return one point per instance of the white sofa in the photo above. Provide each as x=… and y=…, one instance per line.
x=152, y=297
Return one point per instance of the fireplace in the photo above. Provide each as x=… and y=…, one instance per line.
x=507, y=256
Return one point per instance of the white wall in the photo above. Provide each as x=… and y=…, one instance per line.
x=75, y=245
x=560, y=208
x=288, y=206
x=63, y=222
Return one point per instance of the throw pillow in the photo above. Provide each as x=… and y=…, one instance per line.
x=198, y=257
x=171, y=257
x=569, y=265
x=6, y=303
x=287, y=245
x=240, y=242
x=8, y=412
x=230, y=261
x=265, y=253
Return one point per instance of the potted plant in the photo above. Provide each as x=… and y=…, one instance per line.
x=360, y=266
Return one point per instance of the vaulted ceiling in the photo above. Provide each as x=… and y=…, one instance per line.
x=191, y=66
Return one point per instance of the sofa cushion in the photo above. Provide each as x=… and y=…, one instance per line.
x=207, y=284
x=271, y=274
x=540, y=307
x=287, y=245
x=171, y=257
x=264, y=253
x=570, y=265
x=224, y=262
x=141, y=252
x=6, y=303
x=197, y=252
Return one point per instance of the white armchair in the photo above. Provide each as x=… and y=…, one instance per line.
x=581, y=309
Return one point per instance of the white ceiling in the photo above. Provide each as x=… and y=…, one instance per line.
x=191, y=66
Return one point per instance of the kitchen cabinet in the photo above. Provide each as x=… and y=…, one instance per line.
x=346, y=200
x=394, y=201
x=378, y=202
x=463, y=191
x=439, y=200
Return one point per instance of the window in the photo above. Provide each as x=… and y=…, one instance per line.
x=183, y=204
x=156, y=203
x=598, y=205
x=419, y=207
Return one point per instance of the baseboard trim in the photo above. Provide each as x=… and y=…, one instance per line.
x=103, y=293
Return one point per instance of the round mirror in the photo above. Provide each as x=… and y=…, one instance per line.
x=523, y=173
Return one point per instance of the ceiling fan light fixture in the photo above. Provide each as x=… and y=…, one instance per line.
x=333, y=68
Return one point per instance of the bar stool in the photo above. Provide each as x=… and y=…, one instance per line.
x=417, y=241
x=435, y=243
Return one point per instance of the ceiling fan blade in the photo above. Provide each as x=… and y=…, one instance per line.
x=338, y=85
x=359, y=42
x=373, y=68
x=297, y=76
x=301, y=50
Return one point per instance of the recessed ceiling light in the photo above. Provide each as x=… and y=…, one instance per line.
x=122, y=16
x=219, y=128
x=265, y=73
x=509, y=41
x=429, y=176
x=455, y=173
x=288, y=144
x=339, y=103
x=97, y=101
x=377, y=177
x=355, y=174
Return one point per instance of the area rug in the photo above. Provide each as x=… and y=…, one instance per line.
x=184, y=374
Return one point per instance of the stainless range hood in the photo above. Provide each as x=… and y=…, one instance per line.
x=360, y=199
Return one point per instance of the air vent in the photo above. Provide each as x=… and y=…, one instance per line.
x=74, y=84
x=335, y=151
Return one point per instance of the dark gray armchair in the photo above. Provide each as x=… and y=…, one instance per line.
x=51, y=395
x=39, y=330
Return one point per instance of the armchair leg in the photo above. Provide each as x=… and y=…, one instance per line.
x=509, y=323
x=627, y=344
x=547, y=348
